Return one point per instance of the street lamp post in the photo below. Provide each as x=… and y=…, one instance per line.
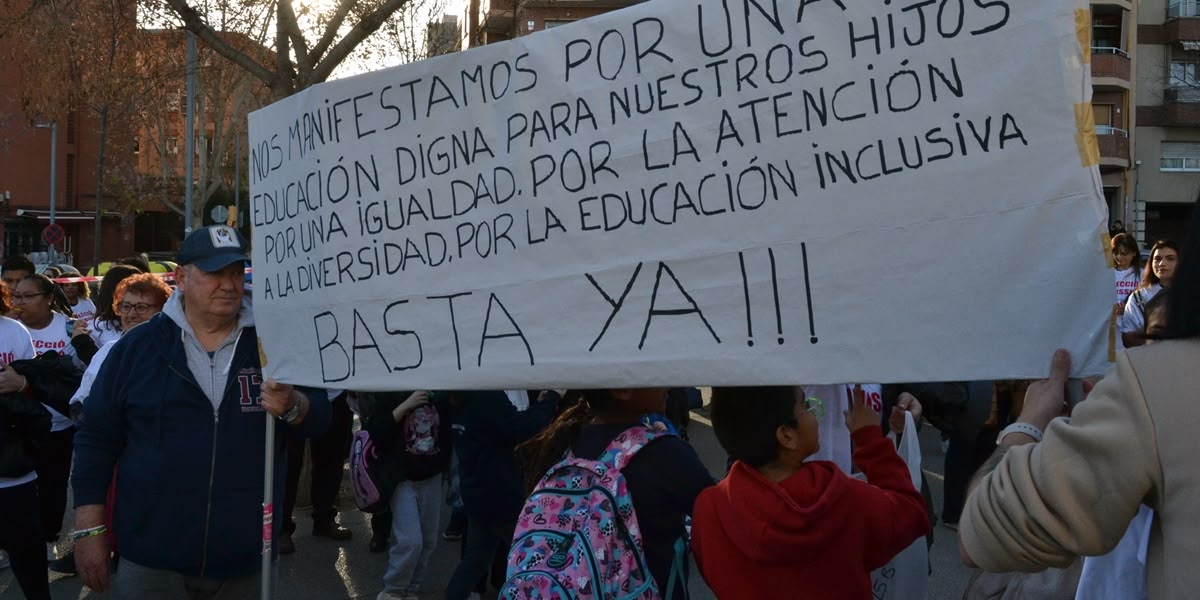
x=53, y=127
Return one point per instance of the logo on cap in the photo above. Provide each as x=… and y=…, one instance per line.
x=223, y=237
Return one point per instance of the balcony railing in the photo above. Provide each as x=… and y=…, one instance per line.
x=1110, y=50
x=1110, y=130
x=1182, y=95
x=1183, y=8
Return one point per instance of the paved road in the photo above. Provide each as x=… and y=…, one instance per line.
x=323, y=569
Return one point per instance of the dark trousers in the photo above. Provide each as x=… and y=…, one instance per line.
x=480, y=547
x=21, y=537
x=54, y=471
x=328, y=454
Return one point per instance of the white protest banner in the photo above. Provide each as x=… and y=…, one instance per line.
x=693, y=192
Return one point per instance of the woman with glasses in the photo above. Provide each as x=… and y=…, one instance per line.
x=43, y=310
x=137, y=298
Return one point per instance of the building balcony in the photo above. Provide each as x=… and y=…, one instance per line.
x=1114, y=146
x=1111, y=69
x=497, y=15
x=1181, y=107
x=1122, y=4
x=1183, y=22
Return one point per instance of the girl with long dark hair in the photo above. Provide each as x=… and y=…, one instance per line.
x=1159, y=274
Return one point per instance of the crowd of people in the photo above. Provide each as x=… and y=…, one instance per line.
x=148, y=400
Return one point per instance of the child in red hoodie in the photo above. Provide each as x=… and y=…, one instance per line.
x=780, y=527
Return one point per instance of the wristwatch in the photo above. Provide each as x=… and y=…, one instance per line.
x=293, y=413
x=1018, y=427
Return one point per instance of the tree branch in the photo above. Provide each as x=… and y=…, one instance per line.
x=192, y=22
x=331, y=30
x=365, y=27
x=288, y=17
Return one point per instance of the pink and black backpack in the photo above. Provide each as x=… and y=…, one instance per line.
x=371, y=495
x=578, y=537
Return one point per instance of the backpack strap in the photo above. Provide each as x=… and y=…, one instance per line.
x=628, y=443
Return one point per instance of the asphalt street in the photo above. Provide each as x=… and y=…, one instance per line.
x=324, y=569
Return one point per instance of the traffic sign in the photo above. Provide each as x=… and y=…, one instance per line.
x=53, y=234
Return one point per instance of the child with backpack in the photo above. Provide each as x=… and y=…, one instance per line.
x=606, y=515
x=411, y=434
x=780, y=527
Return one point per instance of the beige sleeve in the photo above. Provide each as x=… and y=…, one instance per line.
x=1072, y=494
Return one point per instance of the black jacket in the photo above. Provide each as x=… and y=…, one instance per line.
x=24, y=433
x=487, y=430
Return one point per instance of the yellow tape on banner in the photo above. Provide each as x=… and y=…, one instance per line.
x=1112, y=338
x=1083, y=30
x=1085, y=135
x=1106, y=243
x=262, y=356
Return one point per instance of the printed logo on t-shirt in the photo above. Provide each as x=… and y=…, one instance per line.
x=249, y=386
x=421, y=431
x=8, y=357
x=41, y=346
x=1125, y=288
x=872, y=393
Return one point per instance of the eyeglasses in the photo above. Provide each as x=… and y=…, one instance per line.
x=25, y=297
x=139, y=308
x=815, y=406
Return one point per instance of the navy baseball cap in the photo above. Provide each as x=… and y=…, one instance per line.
x=212, y=248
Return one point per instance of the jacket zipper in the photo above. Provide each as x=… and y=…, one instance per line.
x=212, y=470
x=212, y=467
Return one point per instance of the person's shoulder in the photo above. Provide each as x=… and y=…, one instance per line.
x=10, y=324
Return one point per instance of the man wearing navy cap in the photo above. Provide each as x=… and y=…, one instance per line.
x=178, y=408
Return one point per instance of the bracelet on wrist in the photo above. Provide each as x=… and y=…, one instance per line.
x=1023, y=428
x=89, y=532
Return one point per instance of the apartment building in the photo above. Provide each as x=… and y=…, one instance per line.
x=1167, y=154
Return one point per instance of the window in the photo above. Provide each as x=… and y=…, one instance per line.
x=172, y=146
x=137, y=146
x=549, y=23
x=1106, y=31
x=1184, y=68
x=1180, y=156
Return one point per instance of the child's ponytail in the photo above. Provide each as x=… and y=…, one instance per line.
x=547, y=448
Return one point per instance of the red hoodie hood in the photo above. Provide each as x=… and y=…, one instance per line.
x=772, y=522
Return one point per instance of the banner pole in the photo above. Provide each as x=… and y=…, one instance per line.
x=268, y=522
x=268, y=505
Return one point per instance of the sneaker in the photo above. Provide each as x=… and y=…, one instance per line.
x=66, y=564
x=456, y=527
x=3, y=560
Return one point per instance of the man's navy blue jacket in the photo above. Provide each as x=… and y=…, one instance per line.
x=190, y=480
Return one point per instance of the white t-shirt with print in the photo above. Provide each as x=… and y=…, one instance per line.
x=103, y=333
x=56, y=336
x=15, y=344
x=1127, y=281
x=832, y=432
x=84, y=309
x=1133, y=321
